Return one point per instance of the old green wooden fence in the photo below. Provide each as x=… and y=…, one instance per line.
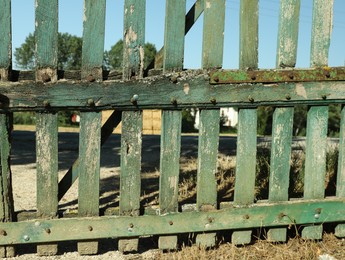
x=208, y=89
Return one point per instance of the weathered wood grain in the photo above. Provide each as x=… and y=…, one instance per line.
x=260, y=215
x=174, y=35
x=6, y=39
x=247, y=118
x=169, y=169
x=46, y=41
x=89, y=172
x=315, y=168
x=283, y=117
x=93, y=39
x=340, y=189
x=6, y=195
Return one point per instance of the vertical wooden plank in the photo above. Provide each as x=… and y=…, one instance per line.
x=247, y=118
x=316, y=144
x=93, y=39
x=171, y=120
x=90, y=127
x=134, y=38
x=6, y=195
x=89, y=172
x=174, y=35
x=130, y=181
x=6, y=39
x=46, y=33
x=283, y=116
x=133, y=66
x=212, y=57
x=340, y=192
x=169, y=170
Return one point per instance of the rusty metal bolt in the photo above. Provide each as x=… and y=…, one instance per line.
x=246, y=216
x=288, y=97
x=291, y=76
x=26, y=238
x=324, y=97
x=173, y=101
x=213, y=100
x=251, y=99
x=210, y=220
x=3, y=232
x=90, y=228
x=327, y=74
x=216, y=79
x=46, y=103
x=171, y=223
x=173, y=79
x=134, y=99
x=90, y=78
x=47, y=230
x=131, y=225
x=45, y=77
x=253, y=77
x=90, y=102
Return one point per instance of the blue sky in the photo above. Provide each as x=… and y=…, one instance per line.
x=71, y=13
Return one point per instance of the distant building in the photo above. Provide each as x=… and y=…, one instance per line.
x=230, y=116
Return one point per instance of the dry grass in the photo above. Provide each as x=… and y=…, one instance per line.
x=295, y=248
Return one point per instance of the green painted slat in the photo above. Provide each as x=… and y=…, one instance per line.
x=212, y=49
x=207, y=168
x=288, y=33
x=131, y=142
x=247, y=118
x=283, y=117
x=6, y=196
x=213, y=36
x=315, y=162
x=280, y=163
x=340, y=187
x=130, y=182
x=249, y=16
x=6, y=39
x=169, y=169
x=46, y=38
x=321, y=32
x=207, y=159
x=133, y=66
x=260, y=215
x=315, y=166
x=245, y=166
x=47, y=164
x=174, y=35
x=134, y=39
x=89, y=171
x=93, y=39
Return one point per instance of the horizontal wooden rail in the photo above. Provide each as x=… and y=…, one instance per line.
x=187, y=89
x=235, y=217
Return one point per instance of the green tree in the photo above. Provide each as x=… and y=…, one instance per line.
x=113, y=57
x=69, y=52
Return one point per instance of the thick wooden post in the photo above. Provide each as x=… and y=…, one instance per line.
x=247, y=118
x=213, y=40
x=283, y=116
x=6, y=197
x=46, y=34
x=316, y=144
x=133, y=66
x=90, y=122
